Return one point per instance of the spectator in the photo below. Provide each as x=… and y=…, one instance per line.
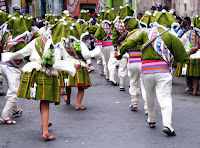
x=159, y=7
x=139, y=16
x=153, y=8
x=184, y=28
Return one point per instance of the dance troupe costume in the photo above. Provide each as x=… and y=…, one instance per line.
x=11, y=70
x=3, y=34
x=157, y=59
x=105, y=33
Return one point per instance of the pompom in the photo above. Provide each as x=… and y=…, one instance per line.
x=88, y=11
x=108, y=11
x=14, y=18
x=61, y=20
x=98, y=14
x=9, y=16
x=164, y=11
x=84, y=11
x=103, y=10
x=45, y=14
x=56, y=19
x=196, y=16
x=28, y=18
x=81, y=11
x=120, y=7
x=127, y=5
x=112, y=9
x=147, y=12
x=171, y=11
x=67, y=14
x=50, y=14
x=73, y=24
x=54, y=15
x=71, y=28
x=21, y=16
x=0, y=11
x=31, y=17
x=64, y=23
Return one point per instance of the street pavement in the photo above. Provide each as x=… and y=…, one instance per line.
x=107, y=122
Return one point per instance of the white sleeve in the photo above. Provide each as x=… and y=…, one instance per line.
x=85, y=51
x=186, y=43
x=22, y=53
x=63, y=65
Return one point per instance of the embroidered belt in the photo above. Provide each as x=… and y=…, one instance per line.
x=135, y=56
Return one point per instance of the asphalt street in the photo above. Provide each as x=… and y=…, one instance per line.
x=107, y=122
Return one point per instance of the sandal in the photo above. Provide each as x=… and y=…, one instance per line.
x=66, y=100
x=19, y=112
x=80, y=108
x=48, y=137
x=8, y=121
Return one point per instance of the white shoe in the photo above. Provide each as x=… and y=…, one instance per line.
x=146, y=112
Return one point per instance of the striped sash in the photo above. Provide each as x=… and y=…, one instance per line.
x=154, y=66
x=106, y=28
x=39, y=45
x=135, y=56
x=193, y=38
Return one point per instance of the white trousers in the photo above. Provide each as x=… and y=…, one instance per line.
x=159, y=85
x=123, y=70
x=110, y=61
x=136, y=83
x=12, y=76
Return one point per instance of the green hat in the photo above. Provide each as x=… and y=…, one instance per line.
x=125, y=11
x=196, y=21
x=29, y=21
x=109, y=14
x=84, y=15
x=17, y=24
x=3, y=16
x=50, y=18
x=146, y=19
x=165, y=18
x=76, y=30
x=59, y=30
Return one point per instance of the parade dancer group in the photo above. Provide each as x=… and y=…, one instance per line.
x=57, y=55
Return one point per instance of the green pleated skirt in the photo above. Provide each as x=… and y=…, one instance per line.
x=47, y=86
x=81, y=78
x=62, y=76
x=194, y=68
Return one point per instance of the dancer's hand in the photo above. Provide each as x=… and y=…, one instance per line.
x=193, y=50
x=77, y=66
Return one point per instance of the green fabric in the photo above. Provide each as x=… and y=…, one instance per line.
x=50, y=18
x=194, y=68
x=71, y=53
x=146, y=19
x=17, y=25
x=92, y=29
x=165, y=19
x=109, y=16
x=173, y=44
x=84, y=15
x=62, y=76
x=18, y=47
x=59, y=30
x=29, y=22
x=196, y=21
x=4, y=17
x=77, y=31
x=81, y=78
x=125, y=11
x=64, y=15
x=100, y=33
x=47, y=86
